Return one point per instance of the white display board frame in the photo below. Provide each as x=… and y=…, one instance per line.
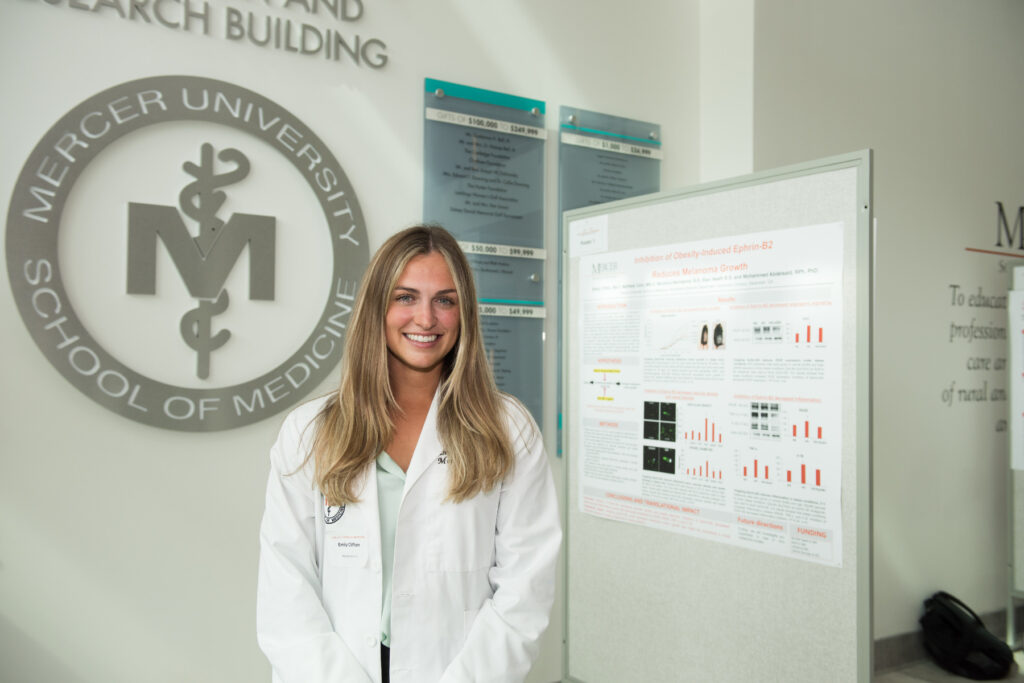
x=646, y=604
x=1015, y=480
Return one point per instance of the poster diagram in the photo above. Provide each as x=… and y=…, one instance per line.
x=711, y=403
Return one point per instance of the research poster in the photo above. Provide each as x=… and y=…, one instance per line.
x=711, y=388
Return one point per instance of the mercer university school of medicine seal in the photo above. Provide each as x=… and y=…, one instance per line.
x=225, y=173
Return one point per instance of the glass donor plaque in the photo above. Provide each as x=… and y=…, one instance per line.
x=484, y=182
x=602, y=158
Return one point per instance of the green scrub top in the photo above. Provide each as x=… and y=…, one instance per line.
x=390, y=482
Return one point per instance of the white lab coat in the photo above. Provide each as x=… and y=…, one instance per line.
x=472, y=586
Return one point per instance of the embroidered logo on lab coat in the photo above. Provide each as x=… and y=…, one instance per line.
x=443, y=458
x=332, y=513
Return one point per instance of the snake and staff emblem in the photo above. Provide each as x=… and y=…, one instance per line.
x=205, y=260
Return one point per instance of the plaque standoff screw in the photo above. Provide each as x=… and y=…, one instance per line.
x=439, y=93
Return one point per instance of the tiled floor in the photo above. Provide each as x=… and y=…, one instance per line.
x=927, y=671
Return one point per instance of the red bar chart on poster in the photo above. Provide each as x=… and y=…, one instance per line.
x=711, y=389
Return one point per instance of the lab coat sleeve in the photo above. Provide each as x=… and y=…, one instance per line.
x=292, y=626
x=504, y=639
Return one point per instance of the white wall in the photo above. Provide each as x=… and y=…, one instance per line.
x=128, y=553
x=726, y=88
x=934, y=87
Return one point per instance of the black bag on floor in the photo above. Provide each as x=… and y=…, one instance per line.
x=958, y=642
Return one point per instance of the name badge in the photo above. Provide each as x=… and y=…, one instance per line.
x=345, y=543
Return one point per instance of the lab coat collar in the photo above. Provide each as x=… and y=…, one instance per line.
x=428, y=447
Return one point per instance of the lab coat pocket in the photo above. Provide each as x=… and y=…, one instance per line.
x=345, y=537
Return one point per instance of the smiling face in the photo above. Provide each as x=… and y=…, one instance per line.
x=422, y=321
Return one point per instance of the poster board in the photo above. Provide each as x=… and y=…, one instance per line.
x=645, y=602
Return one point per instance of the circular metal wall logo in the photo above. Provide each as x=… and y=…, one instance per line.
x=184, y=238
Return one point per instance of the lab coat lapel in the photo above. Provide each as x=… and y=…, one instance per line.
x=428, y=447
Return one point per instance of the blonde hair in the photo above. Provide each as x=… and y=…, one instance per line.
x=356, y=424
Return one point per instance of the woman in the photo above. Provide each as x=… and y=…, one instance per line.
x=411, y=517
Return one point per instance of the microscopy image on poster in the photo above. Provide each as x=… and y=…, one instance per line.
x=711, y=389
